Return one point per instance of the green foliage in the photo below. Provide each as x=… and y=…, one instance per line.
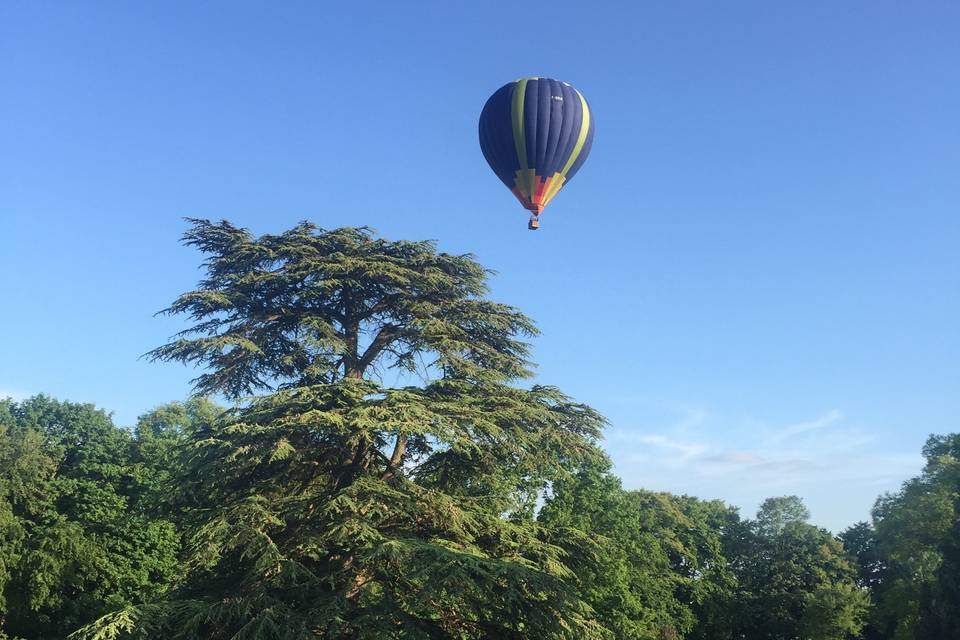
x=779, y=513
x=73, y=544
x=309, y=306
x=834, y=611
x=917, y=532
x=676, y=567
x=715, y=608
x=860, y=541
x=793, y=579
x=660, y=560
x=158, y=457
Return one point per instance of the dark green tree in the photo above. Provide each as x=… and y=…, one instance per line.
x=715, y=608
x=333, y=506
x=944, y=617
x=874, y=574
x=794, y=580
x=917, y=535
x=860, y=541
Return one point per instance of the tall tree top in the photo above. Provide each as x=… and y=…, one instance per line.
x=315, y=306
x=778, y=513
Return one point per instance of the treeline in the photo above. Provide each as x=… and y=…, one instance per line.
x=89, y=524
x=323, y=504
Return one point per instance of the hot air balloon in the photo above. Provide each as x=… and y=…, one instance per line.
x=535, y=134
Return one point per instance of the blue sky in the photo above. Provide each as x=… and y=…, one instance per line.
x=755, y=276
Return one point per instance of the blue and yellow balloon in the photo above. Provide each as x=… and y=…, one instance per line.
x=535, y=134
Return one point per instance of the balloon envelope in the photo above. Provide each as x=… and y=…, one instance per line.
x=535, y=134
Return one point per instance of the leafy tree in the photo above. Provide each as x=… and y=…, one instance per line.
x=334, y=506
x=860, y=541
x=776, y=514
x=874, y=574
x=917, y=535
x=834, y=611
x=72, y=548
x=794, y=580
x=944, y=618
x=627, y=587
x=25, y=472
x=661, y=558
x=159, y=439
x=715, y=610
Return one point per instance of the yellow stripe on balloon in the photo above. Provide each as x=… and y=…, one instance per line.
x=561, y=177
x=582, y=138
x=554, y=187
x=519, y=135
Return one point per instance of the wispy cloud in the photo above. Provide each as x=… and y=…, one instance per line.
x=834, y=464
x=13, y=394
x=829, y=418
x=686, y=450
x=733, y=457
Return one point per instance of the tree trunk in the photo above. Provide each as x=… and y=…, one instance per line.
x=399, y=449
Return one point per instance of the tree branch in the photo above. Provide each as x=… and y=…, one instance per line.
x=387, y=334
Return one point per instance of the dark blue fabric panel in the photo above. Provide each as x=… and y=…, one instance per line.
x=496, y=134
x=576, y=121
x=495, y=123
x=561, y=127
x=556, y=125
